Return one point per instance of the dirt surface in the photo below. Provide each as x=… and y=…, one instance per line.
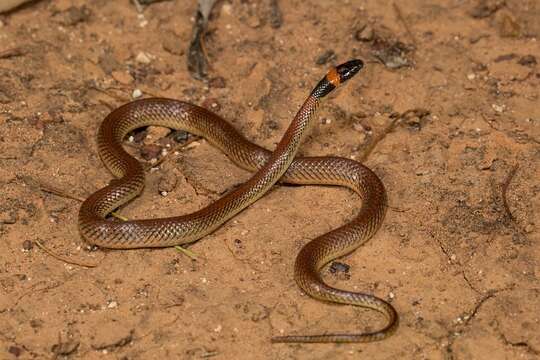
x=458, y=253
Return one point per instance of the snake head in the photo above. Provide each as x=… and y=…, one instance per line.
x=347, y=70
x=337, y=76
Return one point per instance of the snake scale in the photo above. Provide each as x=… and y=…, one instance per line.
x=268, y=167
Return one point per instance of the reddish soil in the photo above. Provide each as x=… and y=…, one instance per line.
x=458, y=254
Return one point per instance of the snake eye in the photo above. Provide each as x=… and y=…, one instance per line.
x=349, y=69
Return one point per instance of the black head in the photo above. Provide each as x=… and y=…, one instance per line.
x=337, y=76
x=349, y=69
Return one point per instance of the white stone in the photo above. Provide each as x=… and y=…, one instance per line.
x=143, y=58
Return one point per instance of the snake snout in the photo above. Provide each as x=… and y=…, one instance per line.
x=349, y=69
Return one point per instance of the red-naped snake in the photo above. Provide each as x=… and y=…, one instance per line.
x=269, y=167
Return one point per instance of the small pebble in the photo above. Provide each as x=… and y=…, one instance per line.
x=415, y=123
x=166, y=142
x=73, y=15
x=477, y=37
x=359, y=127
x=172, y=43
x=15, y=351
x=123, y=77
x=276, y=16
x=150, y=152
x=392, y=54
x=508, y=26
x=505, y=57
x=112, y=305
x=167, y=183
x=421, y=171
x=498, y=108
x=180, y=136
x=361, y=138
x=139, y=135
x=253, y=21
x=471, y=76
x=193, y=145
x=211, y=104
x=527, y=60
x=8, y=217
x=143, y=58
x=484, y=9
x=480, y=67
x=227, y=9
x=137, y=93
x=142, y=21
x=27, y=245
x=338, y=267
x=65, y=348
x=453, y=110
x=217, y=82
x=366, y=34
x=325, y=57
x=155, y=132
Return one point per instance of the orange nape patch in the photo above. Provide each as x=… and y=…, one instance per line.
x=333, y=77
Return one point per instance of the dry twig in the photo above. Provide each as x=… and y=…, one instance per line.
x=197, y=59
x=9, y=53
x=405, y=24
x=64, y=258
x=376, y=140
x=505, y=187
x=57, y=191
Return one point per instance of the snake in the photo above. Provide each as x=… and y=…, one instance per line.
x=268, y=167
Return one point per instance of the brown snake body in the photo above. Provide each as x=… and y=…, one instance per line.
x=270, y=167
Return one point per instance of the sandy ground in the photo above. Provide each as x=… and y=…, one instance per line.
x=458, y=253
